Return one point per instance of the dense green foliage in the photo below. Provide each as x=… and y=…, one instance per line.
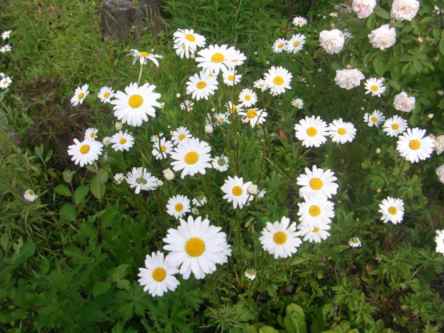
x=69, y=261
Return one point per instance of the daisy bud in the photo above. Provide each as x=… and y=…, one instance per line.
x=177, y=95
x=30, y=195
x=107, y=140
x=252, y=189
x=194, y=211
x=430, y=115
x=354, y=242
x=250, y=274
x=118, y=125
x=209, y=129
x=378, y=150
x=168, y=174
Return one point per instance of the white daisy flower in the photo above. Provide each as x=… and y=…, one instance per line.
x=341, y=131
x=186, y=42
x=30, y=196
x=414, y=145
x=295, y=44
x=317, y=182
x=191, y=157
x=254, y=116
x=374, y=119
x=222, y=118
x=5, y=48
x=105, y=94
x=197, y=247
x=280, y=238
x=140, y=179
x=236, y=191
x=122, y=141
x=316, y=209
x=394, y=126
x=299, y=21
x=6, y=34
x=392, y=210
x=278, y=80
x=260, y=85
x=332, y=41
x=374, y=86
x=404, y=10
x=180, y=135
x=312, y=131
x=137, y=104
x=178, y=206
x=162, y=148
x=85, y=152
x=439, y=240
x=383, y=37
x=279, y=45
x=214, y=59
x=157, y=276
x=220, y=163
x=143, y=57
x=231, y=78
x=235, y=108
x=201, y=86
x=235, y=58
x=5, y=81
x=247, y=98
x=79, y=95
x=349, y=78
x=355, y=242
x=314, y=232
x=404, y=102
x=91, y=133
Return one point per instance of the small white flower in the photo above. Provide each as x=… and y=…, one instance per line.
x=280, y=238
x=30, y=196
x=374, y=119
x=298, y=103
x=141, y=180
x=220, y=163
x=250, y=274
x=143, y=57
x=383, y=38
x=6, y=34
x=414, y=145
x=168, y=174
x=5, y=81
x=122, y=141
x=394, y=126
x=404, y=10
x=79, y=95
x=355, y=242
x=5, y=48
x=439, y=240
x=341, y=131
x=105, y=94
x=119, y=178
x=392, y=210
x=332, y=41
x=178, y=206
x=349, y=78
x=299, y=21
x=280, y=45
x=247, y=98
x=404, y=102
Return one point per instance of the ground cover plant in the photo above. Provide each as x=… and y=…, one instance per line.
x=277, y=174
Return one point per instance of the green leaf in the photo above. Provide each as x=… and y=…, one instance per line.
x=294, y=321
x=98, y=184
x=26, y=252
x=100, y=288
x=379, y=65
x=80, y=194
x=68, y=212
x=441, y=44
x=63, y=190
x=382, y=13
x=268, y=329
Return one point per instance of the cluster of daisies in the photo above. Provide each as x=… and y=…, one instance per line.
x=5, y=80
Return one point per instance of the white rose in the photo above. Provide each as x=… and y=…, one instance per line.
x=332, y=41
x=349, y=78
x=363, y=8
x=404, y=10
x=404, y=102
x=383, y=37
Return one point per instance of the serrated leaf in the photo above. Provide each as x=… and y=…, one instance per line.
x=80, y=194
x=63, y=190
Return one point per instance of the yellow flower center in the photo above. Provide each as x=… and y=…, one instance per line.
x=191, y=158
x=296, y=43
x=236, y=191
x=178, y=207
x=201, y=85
x=314, y=210
x=415, y=144
x=217, y=58
x=106, y=94
x=311, y=131
x=280, y=45
x=84, y=149
x=374, y=88
x=280, y=237
x=392, y=210
x=122, y=141
x=135, y=101
x=231, y=77
x=248, y=98
x=81, y=94
x=195, y=247
x=159, y=274
x=316, y=183
x=251, y=113
x=342, y=131
x=278, y=80
x=182, y=137
x=373, y=119
x=190, y=38
x=395, y=126
x=144, y=54
x=162, y=148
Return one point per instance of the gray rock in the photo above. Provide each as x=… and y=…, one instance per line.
x=151, y=16
x=118, y=18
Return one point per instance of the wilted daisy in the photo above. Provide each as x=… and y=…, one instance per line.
x=178, y=206
x=316, y=209
x=6, y=34
x=236, y=191
x=383, y=37
x=341, y=131
x=317, y=182
x=105, y=94
x=79, y=95
x=231, y=78
x=136, y=104
x=280, y=239
x=404, y=10
x=332, y=41
x=439, y=240
x=250, y=274
x=5, y=81
x=414, y=145
x=201, y=85
x=392, y=210
x=403, y=102
x=278, y=80
x=161, y=148
x=312, y=131
x=220, y=163
x=191, y=157
x=200, y=201
x=30, y=196
x=143, y=57
x=315, y=231
x=349, y=78
x=253, y=116
x=180, y=135
x=374, y=119
x=186, y=42
x=157, y=276
x=298, y=103
x=187, y=105
x=214, y=59
x=394, y=126
x=363, y=8
x=260, y=85
x=296, y=43
x=91, y=133
x=140, y=179
x=247, y=98
x=85, y=152
x=119, y=178
x=355, y=242
x=122, y=141
x=299, y=21
x=279, y=45
x=197, y=247
x=221, y=118
x=375, y=86
x=5, y=48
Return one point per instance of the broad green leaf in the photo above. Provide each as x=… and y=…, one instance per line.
x=80, y=194
x=100, y=288
x=382, y=13
x=294, y=321
x=268, y=329
x=98, y=184
x=68, y=212
x=63, y=190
